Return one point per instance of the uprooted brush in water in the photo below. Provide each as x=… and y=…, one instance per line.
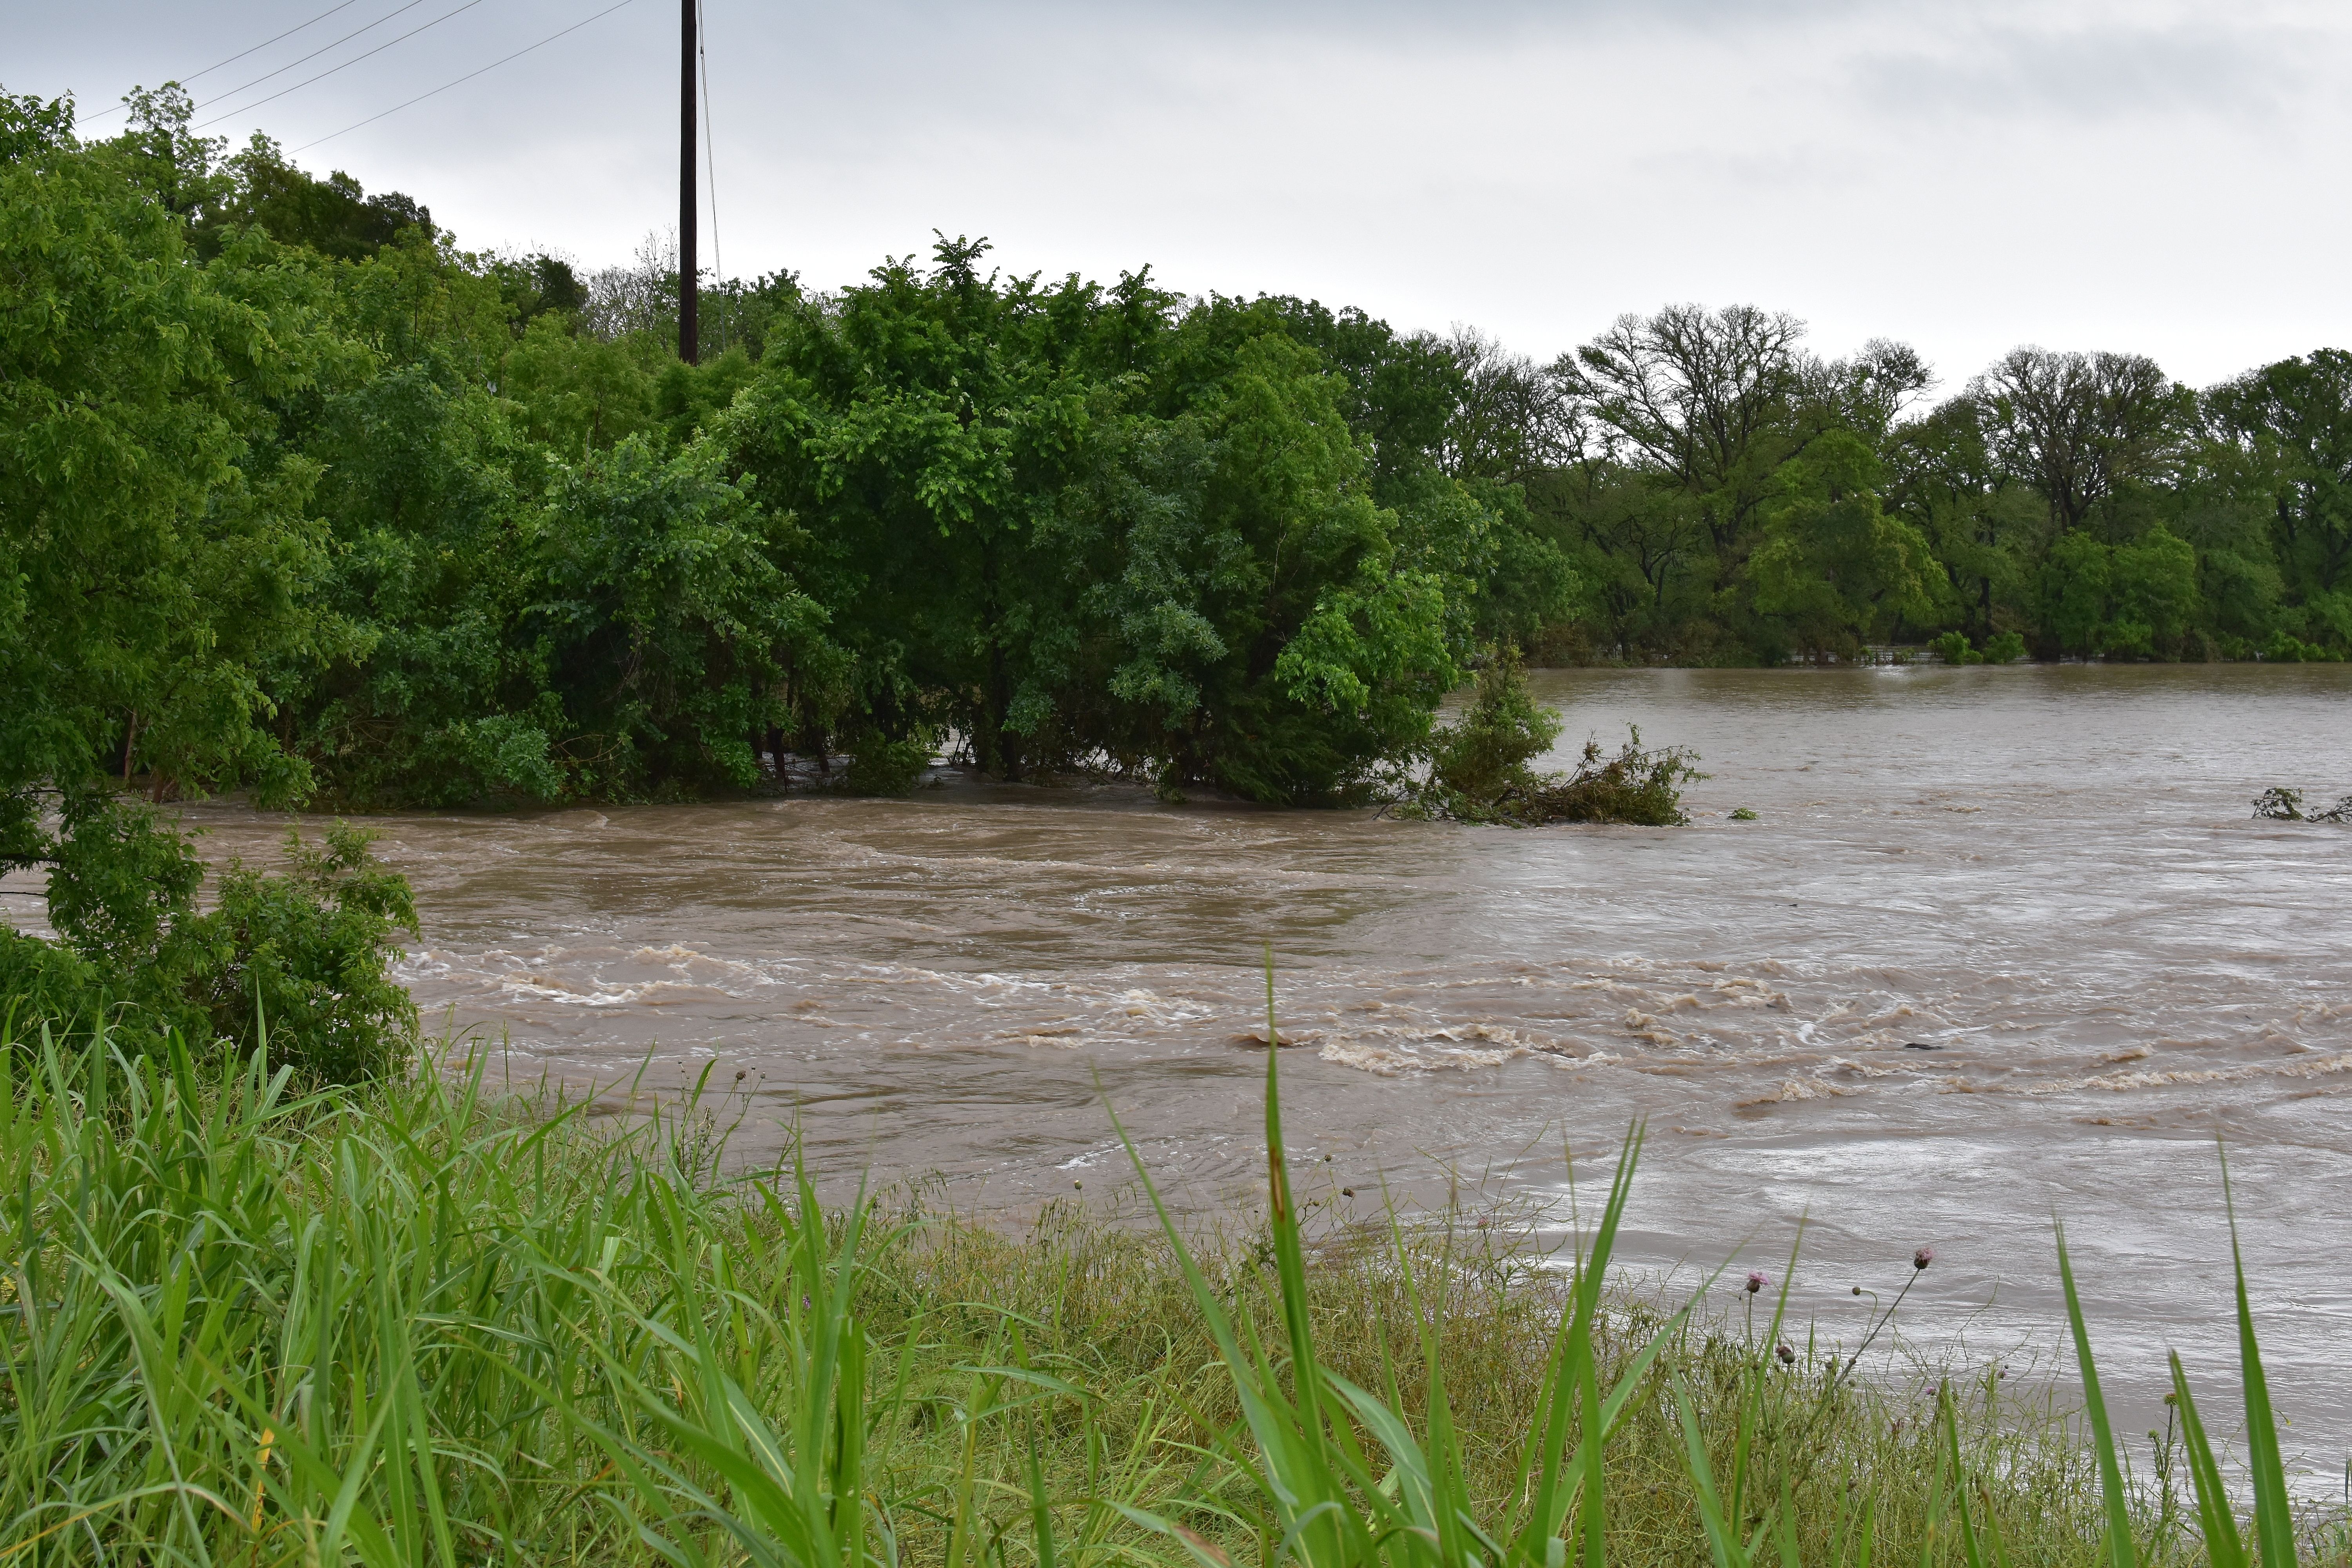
x=1481, y=769
x=2286, y=805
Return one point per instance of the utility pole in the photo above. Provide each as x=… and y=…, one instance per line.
x=689, y=330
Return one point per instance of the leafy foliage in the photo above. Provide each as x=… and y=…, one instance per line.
x=1480, y=768
x=300, y=962
x=1485, y=757
x=157, y=549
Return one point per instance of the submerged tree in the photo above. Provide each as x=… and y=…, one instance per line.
x=1482, y=767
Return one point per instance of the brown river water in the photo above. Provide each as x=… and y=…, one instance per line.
x=2002, y=945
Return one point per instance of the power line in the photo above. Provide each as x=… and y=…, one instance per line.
x=331, y=70
x=469, y=76
x=314, y=54
x=265, y=43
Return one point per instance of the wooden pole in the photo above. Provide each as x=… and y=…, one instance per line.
x=689, y=330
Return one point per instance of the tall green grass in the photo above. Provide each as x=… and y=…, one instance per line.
x=420, y=1322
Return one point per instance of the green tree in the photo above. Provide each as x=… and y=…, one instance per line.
x=2077, y=578
x=154, y=543
x=436, y=511
x=1983, y=525
x=1704, y=408
x=667, y=624
x=2283, y=435
x=157, y=557
x=1262, y=600
x=578, y=395
x=2137, y=600
x=921, y=435
x=2156, y=595
x=333, y=216
x=1833, y=565
x=2083, y=430
x=1706, y=400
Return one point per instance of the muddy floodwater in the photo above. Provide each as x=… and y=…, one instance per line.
x=2001, y=944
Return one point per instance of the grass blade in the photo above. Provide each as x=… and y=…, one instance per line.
x=1948, y=1418
x=1722, y=1540
x=2274, y=1513
x=2217, y=1519
x=2120, y=1551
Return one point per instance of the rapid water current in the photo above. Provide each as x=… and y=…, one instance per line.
x=2001, y=944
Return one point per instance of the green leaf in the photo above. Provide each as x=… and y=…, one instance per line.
x=2118, y=1547
x=2273, y=1512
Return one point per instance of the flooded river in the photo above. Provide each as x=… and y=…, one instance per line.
x=2001, y=944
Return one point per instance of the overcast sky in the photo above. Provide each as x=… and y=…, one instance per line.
x=2160, y=177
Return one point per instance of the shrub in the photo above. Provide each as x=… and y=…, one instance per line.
x=46, y=982
x=303, y=960
x=2284, y=647
x=300, y=959
x=1486, y=755
x=2006, y=648
x=880, y=765
x=2279, y=804
x=1480, y=767
x=1953, y=648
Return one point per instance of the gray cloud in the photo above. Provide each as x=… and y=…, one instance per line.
x=2100, y=73
x=1964, y=176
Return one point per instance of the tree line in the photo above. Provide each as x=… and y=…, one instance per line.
x=301, y=497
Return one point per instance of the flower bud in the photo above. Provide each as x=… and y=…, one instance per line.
x=1755, y=1283
x=1924, y=1256
x=1788, y=1356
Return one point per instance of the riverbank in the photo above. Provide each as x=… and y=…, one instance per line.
x=417, y=1321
